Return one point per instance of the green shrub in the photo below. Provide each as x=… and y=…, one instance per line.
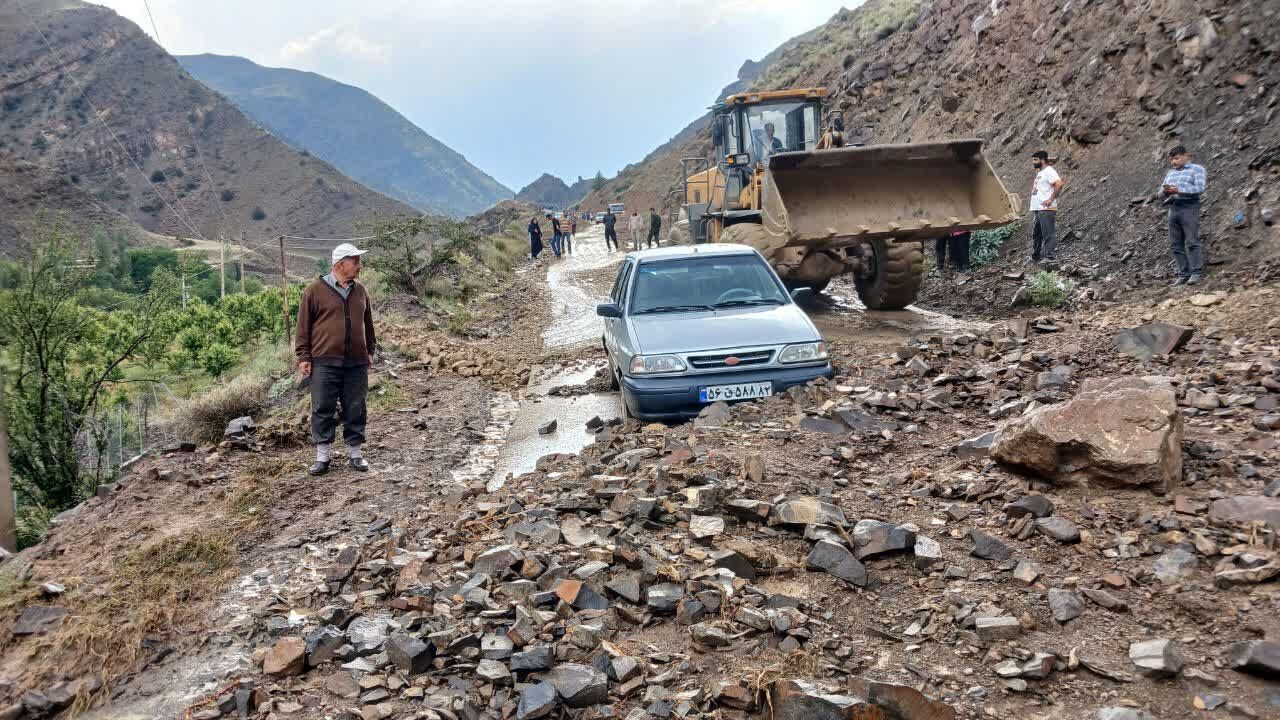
x=157, y=176
x=259, y=214
x=1047, y=289
x=228, y=195
x=985, y=245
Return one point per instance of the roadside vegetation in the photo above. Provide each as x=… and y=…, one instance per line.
x=1047, y=289
x=89, y=329
x=985, y=245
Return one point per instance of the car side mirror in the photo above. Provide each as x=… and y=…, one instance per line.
x=609, y=310
x=803, y=292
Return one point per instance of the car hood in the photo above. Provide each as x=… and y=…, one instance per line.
x=683, y=332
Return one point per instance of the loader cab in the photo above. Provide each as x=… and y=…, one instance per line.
x=760, y=125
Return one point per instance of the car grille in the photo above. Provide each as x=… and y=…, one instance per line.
x=745, y=359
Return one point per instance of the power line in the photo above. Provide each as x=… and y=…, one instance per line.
x=111, y=132
x=352, y=239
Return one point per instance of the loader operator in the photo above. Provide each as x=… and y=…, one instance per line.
x=769, y=144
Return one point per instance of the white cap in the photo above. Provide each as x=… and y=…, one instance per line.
x=346, y=250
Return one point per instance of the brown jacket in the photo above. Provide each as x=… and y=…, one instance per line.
x=333, y=331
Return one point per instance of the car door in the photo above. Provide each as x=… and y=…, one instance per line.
x=614, y=326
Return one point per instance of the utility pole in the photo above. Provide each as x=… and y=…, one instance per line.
x=8, y=508
x=284, y=295
x=242, y=290
x=222, y=263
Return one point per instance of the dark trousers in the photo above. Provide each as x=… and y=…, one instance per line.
x=535, y=246
x=653, y=238
x=610, y=239
x=332, y=385
x=957, y=246
x=1043, y=239
x=555, y=244
x=1184, y=238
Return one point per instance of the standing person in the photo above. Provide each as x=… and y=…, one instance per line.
x=655, y=225
x=335, y=346
x=635, y=224
x=610, y=232
x=535, y=238
x=555, y=234
x=573, y=230
x=1044, y=207
x=1182, y=187
x=834, y=135
x=957, y=245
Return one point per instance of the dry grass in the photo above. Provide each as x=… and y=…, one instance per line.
x=203, y=418
x=257, y=488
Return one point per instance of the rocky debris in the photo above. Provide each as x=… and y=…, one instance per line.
x=1245, y=509
x=537, y=701
x=548, y=427
x=1147, y=341
x=1174, y=565
x=39, y=619
x=808, y=511
x=1123, y=713
x=988, y=547
x=1036, y=506
x=1156, y=657
x=239, y=428
x=991, y=629
x=1058, y=528
x=579, y=685
x=801, y=700
x=287, y=657
x=836, y=560
x=975, y=448
x=409, y=653
x=706, y=526
x=1115, y=432
x=1256, y=657
x=1065, y=605
x=874, y=538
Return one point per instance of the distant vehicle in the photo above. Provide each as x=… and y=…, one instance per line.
x=617, y=208
x=686, y=326
x=599, y=217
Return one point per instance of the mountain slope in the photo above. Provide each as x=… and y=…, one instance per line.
x=550, y=191
x=361, y=135
x=196, y=154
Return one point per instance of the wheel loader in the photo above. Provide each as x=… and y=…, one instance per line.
x=815, y=214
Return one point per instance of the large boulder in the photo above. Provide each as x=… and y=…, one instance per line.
x=1123, y=432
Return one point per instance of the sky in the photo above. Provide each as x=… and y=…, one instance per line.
x=520, y=87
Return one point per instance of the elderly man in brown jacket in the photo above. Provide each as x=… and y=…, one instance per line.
x=335, y=347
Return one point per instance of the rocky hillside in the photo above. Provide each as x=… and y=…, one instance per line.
x=550, y=191
x=361, y=135
x=1107, y=86
x=196, y=152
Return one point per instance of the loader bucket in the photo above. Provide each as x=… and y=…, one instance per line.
x=834, y=198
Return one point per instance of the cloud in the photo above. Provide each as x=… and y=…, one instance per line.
x=344, y=41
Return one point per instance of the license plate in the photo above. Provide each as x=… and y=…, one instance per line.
x=742, y=391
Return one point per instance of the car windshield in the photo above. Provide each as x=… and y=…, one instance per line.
x=704, y=283
x=781, y=127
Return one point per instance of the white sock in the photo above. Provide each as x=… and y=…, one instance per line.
x=354, y=452
x=322, y=452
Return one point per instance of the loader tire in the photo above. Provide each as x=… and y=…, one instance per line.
x=895, y=280
x=680, y=234
x=752, y=234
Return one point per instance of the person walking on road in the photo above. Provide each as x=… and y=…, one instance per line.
x=335, y=346
x=1044, y=208
x=635, y=225
x=655, y=225
x=569, y=233
x=610, y=232
x=555, y=234
x=1182, y=187
x=535, y=238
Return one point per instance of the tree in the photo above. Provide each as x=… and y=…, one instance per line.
x=408, y=251
x=64, y=361
x=597, y=182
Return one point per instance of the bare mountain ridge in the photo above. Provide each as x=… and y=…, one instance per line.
x=360, y=134
x=222, y=173
x=550, y=191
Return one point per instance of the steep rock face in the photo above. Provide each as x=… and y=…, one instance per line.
x=361, y=135
x=195, y=150
x=550, y=191
x=1107, y=86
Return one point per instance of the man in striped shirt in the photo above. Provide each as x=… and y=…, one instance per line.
x=1182, y=187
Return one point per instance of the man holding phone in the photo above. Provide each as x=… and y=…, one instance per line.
x=1182, y=187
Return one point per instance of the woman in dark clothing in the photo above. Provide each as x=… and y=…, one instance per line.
x=535, y=238
x=959, y=250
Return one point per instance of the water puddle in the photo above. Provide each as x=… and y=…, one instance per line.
x=573, y=303
x=483, y=456
x=840, y=314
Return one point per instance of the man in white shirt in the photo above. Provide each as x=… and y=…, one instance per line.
x=1044, y=208
x=635, y=224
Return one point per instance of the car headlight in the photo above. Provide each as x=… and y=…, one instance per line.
x=651, y=364
x=803, y=353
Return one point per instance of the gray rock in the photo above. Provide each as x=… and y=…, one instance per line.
x=1247, y=508
x=808, y=511
x=874, y=538
x=579, y=685
x=1156, y=657
x=990, y=629
x=988, y=547
x=536, y=701
x=1256, y=657
x=713, y=416
x=496, y=647
x=497, y=561
x=37, y=619
x=494, y=672
x=709, y=635
x=836, y=560
x=1058, y=528
x=409, y=653
x=1105, y=599
x=322, y=644
x=239, y=428
x=1026, y=572
x=1146, y=341
x=928, y=552
x=1123, y=713
x=623, y=668
x=625, y=586
x=690, y=612
x=535, y=659
x=367, y=635
x=664, y=597
x=705, y=526
x=975, y=448
x=1272, y=489
x=1065, y=605
x=1037, y=506
x=1174, y=565
x=548, y=427
x=734, y=562
x=823, y=425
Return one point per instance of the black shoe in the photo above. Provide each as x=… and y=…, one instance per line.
x=359, y=464
x=319, y=468
x=1194, y=279
x=1180, y=281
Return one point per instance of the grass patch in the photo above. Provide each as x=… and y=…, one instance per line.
x=386, y=395
x=985, y=245
x=203, y=418
x=256, y=489
x=1047, y=289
